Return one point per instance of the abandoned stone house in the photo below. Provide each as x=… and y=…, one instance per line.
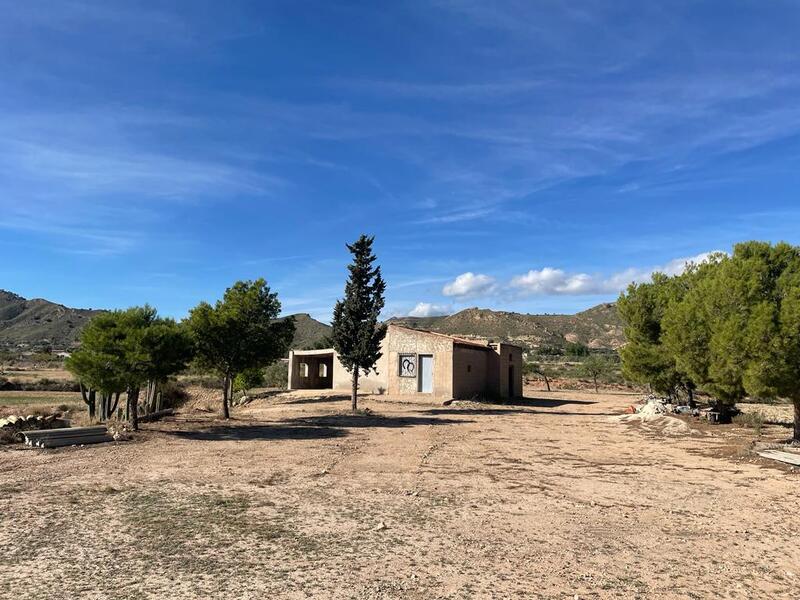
x=418, y=365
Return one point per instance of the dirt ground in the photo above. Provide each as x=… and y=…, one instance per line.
x=550, y=497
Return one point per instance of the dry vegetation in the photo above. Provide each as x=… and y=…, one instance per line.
x=294, y=498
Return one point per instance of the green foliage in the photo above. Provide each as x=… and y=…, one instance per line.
x=321, y=344
x=731, y=326
x=751, y=420
x=645, y=358
x=545, y=350
x=576, y=349
x=596, y=366
x=122, y=350
x=240, y=332
x=276, y=375
x=249, y=379
x=357, y=336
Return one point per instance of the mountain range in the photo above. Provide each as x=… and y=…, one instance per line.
x=38, y=322
x=598, y=327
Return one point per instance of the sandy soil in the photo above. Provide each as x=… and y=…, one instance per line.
x=294, y=498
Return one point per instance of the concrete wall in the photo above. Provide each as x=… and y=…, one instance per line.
x=314, y=381
x=369, y=384
x=400, y=340
x=459, y=370
x=509, y=355
x=471, y=371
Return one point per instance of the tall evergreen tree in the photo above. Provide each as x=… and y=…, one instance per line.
x=357, y=336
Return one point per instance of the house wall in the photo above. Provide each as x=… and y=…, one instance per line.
x=487, y=373
x=509, y=355
x=471, y=368
x=369, y=384
x=399, y=341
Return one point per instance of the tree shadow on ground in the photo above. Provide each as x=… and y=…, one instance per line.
x=476, y=411
x=371, y=420
x=545, y=402
x=221, y=433
x=318, y=399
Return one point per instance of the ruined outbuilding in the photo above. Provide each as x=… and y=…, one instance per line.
x=420, y=365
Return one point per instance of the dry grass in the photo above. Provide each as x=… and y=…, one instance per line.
x=547, y=497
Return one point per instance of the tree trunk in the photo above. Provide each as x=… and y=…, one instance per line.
x=796, y=436
x=546, y=381
x=692, y=403
x=596, y=389
x=354, y=397
x=89, y=397
x=92, y=405
x=113, y=407
x=225, y=387
x=133, y=407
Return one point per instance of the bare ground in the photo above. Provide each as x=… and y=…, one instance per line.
x=295, y=498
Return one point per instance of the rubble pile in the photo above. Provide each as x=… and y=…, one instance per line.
x=657, y=411
x=12, y=426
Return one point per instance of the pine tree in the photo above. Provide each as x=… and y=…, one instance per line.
x=241, y=332
x=357, y=336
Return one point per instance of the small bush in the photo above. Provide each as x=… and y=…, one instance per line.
x=751, y=420
x=249, y=379
x=276, y=375
x=173, y=394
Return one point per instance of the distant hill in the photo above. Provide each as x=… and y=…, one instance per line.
x=36, y=323
x=308, y=332
x=597, y=327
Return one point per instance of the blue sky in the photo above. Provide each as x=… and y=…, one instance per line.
x=526, y=156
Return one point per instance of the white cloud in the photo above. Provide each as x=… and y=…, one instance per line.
x=550, y=281
x=427, y=309
x=470, y=284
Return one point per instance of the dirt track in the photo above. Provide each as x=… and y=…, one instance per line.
x=550, y=498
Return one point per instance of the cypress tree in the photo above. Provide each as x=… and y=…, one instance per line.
x=357, y=336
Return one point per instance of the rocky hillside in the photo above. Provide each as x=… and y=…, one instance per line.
x=38, y=322
x=598, y=327
x=308, y=332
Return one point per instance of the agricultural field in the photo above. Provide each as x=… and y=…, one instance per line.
x=551, y=496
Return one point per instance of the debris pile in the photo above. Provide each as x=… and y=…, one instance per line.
x=17, y=423
x=69, y=436
x=656, y=412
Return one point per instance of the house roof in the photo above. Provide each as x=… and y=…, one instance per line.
x=456, y=340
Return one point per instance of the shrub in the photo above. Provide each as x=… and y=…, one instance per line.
x=276, y=375
x=173, y=394
x=248, y=379
x=751, y=420
x=576, y=349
